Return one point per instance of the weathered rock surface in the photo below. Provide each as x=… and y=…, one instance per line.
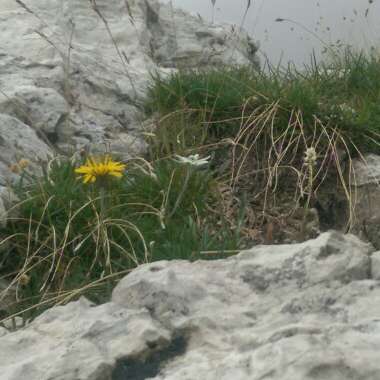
x=77, y=70
x=17, y=141
x=375, y=266
x=367, y=202
x=308, y=311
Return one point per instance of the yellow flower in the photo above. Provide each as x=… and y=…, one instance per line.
x=23, y=163
x=99, y=168
x=14, y=168
x=19, y=166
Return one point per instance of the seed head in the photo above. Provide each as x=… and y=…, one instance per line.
x=310, y=158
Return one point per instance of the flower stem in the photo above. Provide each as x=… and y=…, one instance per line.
x=183, y=190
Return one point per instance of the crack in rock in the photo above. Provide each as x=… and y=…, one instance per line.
x=138, y=369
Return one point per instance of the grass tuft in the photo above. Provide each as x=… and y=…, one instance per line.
x=68, y=235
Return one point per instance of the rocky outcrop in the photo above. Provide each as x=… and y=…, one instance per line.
x=366, y=203
x=307, y=311
x=77, y=70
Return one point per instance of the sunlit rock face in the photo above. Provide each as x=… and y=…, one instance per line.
x=306, y=311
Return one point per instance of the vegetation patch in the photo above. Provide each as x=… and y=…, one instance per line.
x=262, y=127
x=71, y=236
x=237, y=157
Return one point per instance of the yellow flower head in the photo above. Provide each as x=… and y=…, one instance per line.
x=23, y=163
x=19, y=166
x=100, y=168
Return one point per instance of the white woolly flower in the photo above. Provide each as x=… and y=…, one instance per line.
x=337, y=73
x=193, y=160
x=310, y=157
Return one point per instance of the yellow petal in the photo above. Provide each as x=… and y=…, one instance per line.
x=88, y=178
x=116, y=174
x=83, y=170
x=100, y=167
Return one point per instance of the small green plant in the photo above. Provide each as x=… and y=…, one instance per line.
x=214, y=99
x=76, y=236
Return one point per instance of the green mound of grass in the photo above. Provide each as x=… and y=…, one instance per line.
x=342, y=94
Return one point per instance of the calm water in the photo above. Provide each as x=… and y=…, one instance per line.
x=314, y=23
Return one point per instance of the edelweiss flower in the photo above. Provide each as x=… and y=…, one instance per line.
x=336, y=72
x=100, y=168
x=193, y=160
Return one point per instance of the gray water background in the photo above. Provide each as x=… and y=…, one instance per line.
x=315, y=24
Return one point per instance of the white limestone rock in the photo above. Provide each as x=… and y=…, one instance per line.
x=44, y=109
x=3, y=331
x=288, y=312
x=79, y=69
x=96, y=337
x=19, y=141
x=367, y=198
x=375, y=265
x=367, y=170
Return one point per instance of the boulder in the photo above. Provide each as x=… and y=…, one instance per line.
x=307, y=311
x=367, y=198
